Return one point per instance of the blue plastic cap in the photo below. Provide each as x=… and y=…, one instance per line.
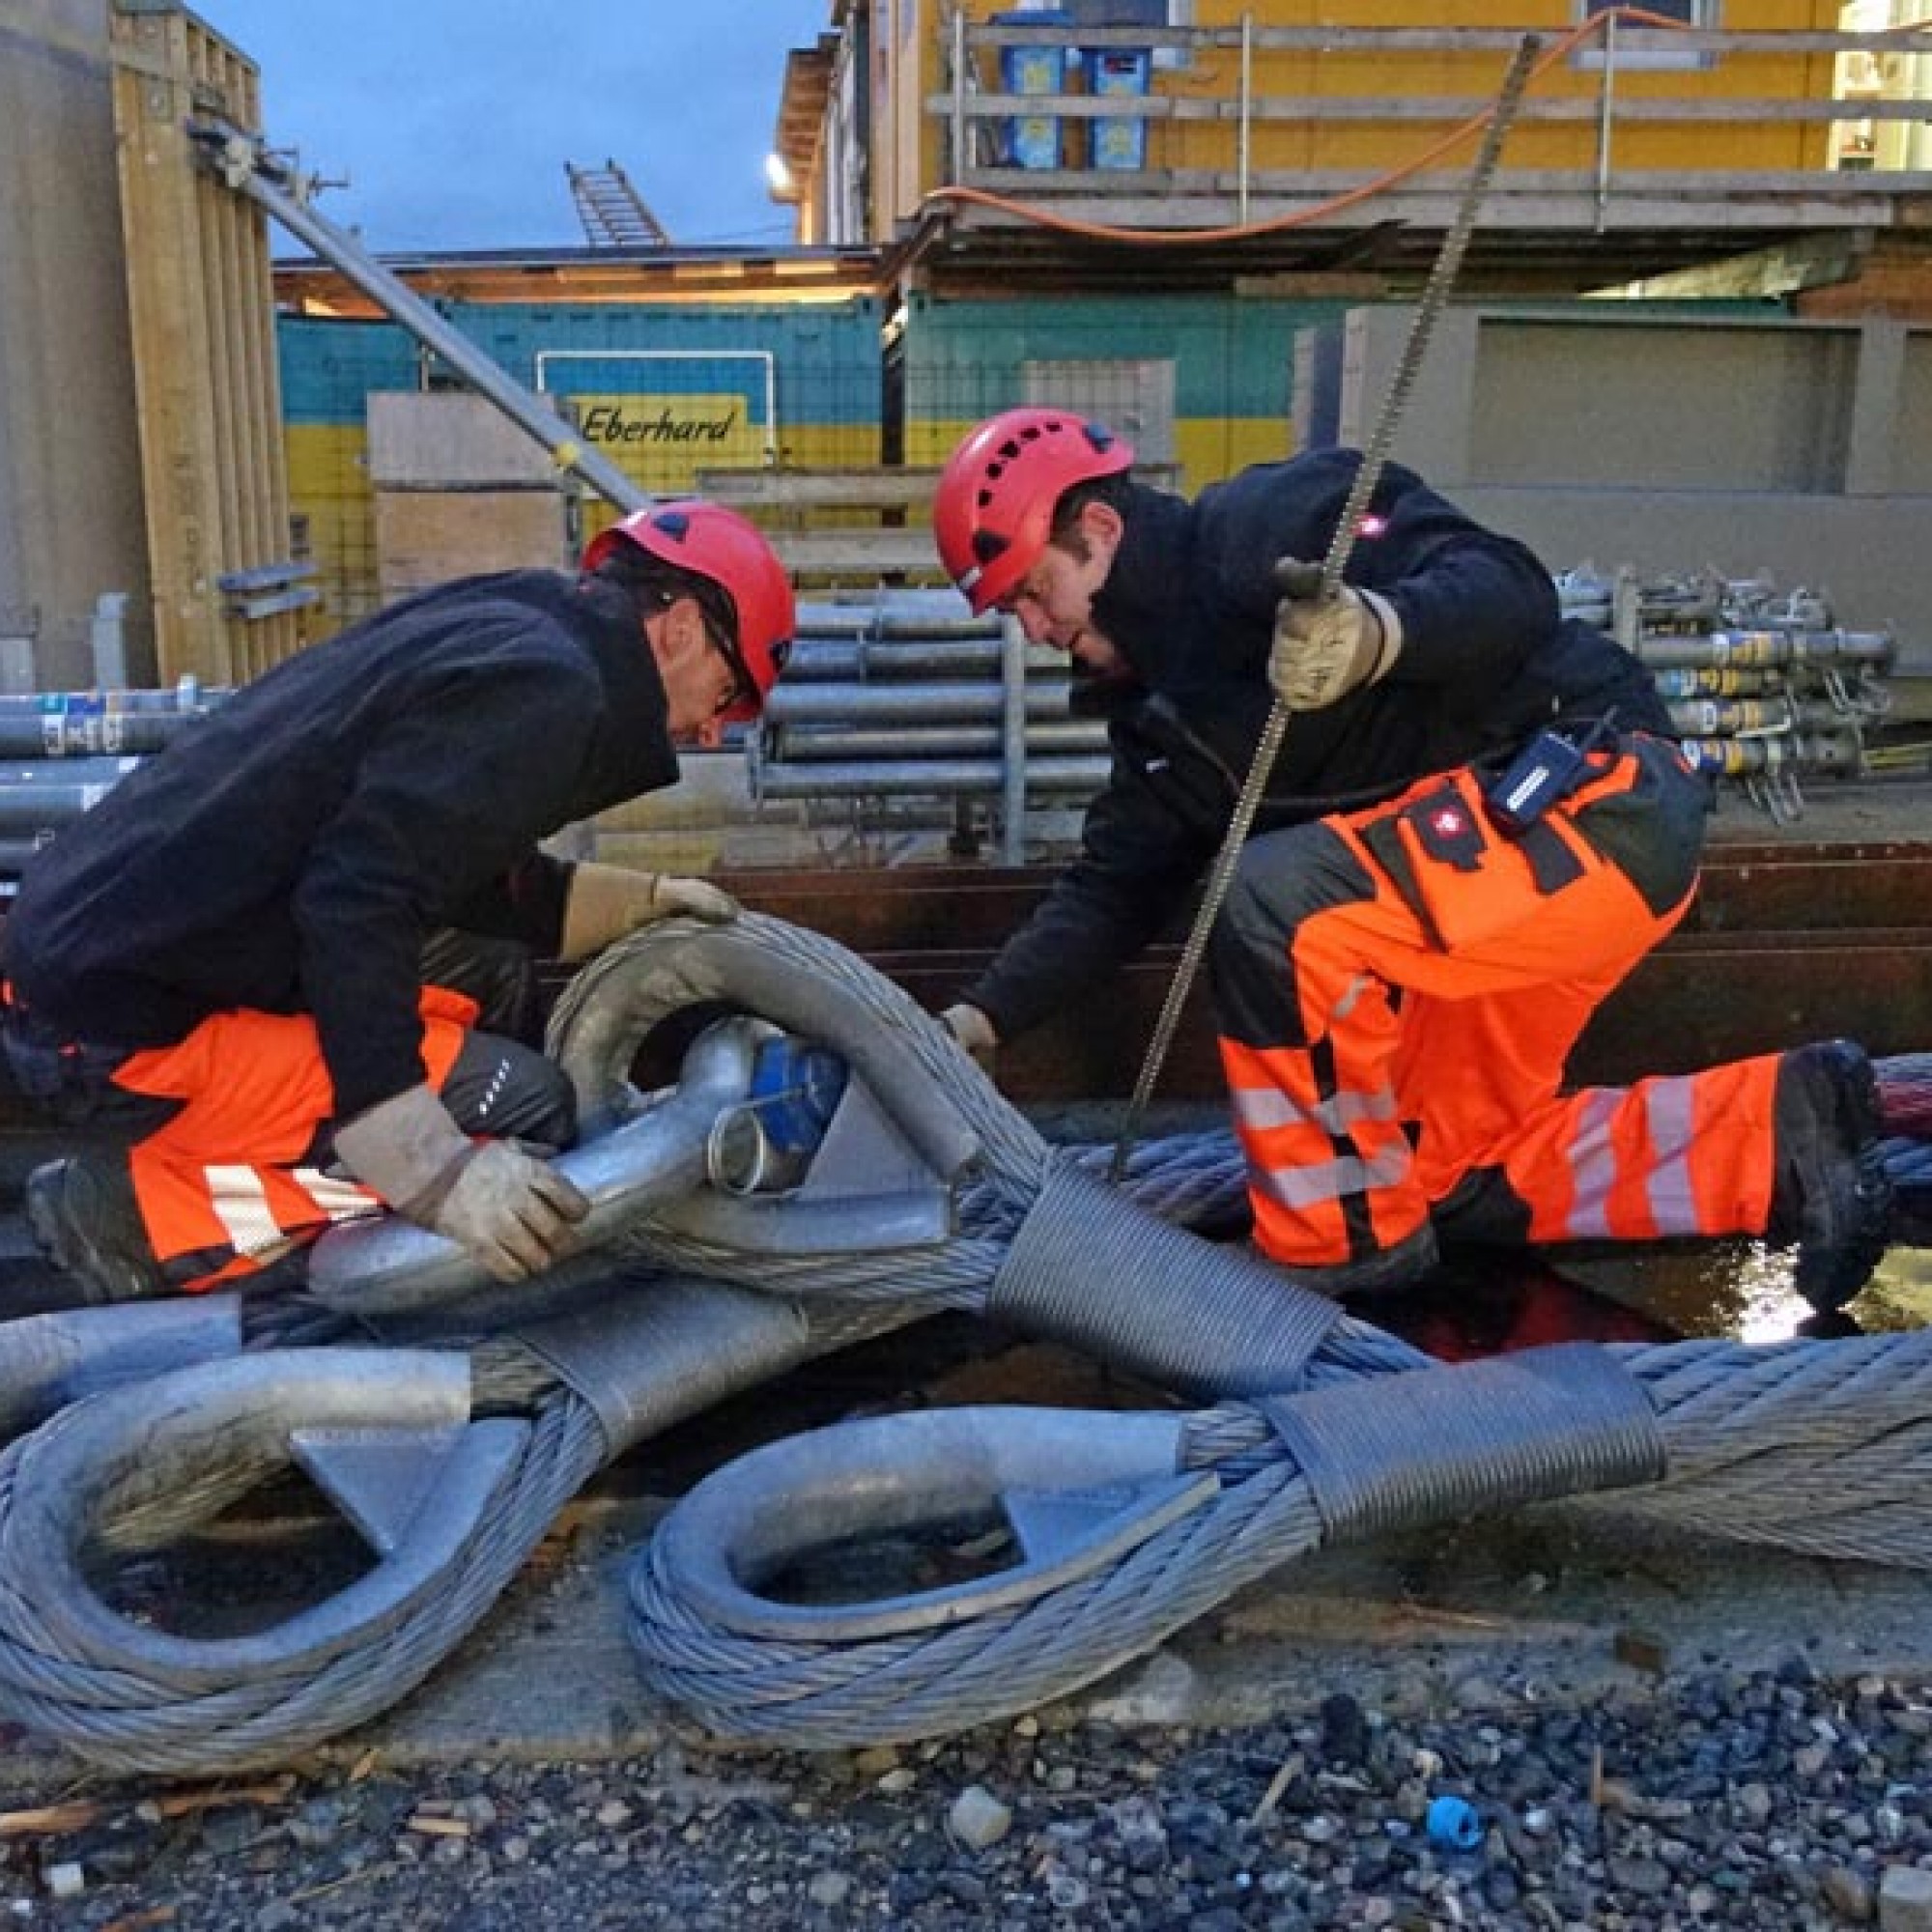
x=1453, y=1821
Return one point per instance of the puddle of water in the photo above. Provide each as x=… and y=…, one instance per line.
x=1741, y=1292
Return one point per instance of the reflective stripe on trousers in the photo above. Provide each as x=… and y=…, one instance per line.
x=223, y=1184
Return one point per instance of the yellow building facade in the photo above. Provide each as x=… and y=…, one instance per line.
x=1237, y=100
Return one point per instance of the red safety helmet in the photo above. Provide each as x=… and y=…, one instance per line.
x=993, y=510
x=712, y=542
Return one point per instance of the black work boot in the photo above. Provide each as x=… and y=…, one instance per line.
x=84, y=1214
x=1829, y=1194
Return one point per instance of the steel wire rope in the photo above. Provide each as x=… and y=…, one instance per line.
x=115, y=1709
x=1739, y=1450
x=1823, y=1449
x=1341, y=547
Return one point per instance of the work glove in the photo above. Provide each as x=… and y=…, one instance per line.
x=604, y=902
x=1326, y=648
x=973, y=1032
x=508, y=1210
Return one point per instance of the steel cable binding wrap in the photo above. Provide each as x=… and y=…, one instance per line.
x=1816, y=1447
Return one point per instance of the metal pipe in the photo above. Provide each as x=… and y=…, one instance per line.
x=246, y=168
x=821, y=659
x=101, y=771
x=1015, y=698
x=934, y=704
x=1604, y=96
x=912, y=777
x=1759, y=649
x=959, y=94
x=934, y=741
x=16, y=853
x=41, y=808
x=59, y=734
x=134, y=697
x=1244, y=127
x=888, y=620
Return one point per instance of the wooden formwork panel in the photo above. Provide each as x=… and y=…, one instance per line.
x=208, y=392
x=425, y=537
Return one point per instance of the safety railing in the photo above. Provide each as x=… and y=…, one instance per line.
x=1176, y=126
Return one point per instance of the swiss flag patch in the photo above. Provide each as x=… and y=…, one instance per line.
x=1447, y=830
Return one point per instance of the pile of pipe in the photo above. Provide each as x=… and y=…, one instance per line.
x=61, y=751
x=908, y=694
x=1763, y=687
x=904, y=695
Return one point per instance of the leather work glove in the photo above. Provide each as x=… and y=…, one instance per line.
x=508, y=1210
x=607, y=901
x=1326, y=648
x=974, y=1031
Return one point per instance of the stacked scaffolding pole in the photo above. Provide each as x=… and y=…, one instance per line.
x=909, y=696
x=1762, y=687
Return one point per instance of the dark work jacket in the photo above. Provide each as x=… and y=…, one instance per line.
x=1485, y=662
x=289, y=851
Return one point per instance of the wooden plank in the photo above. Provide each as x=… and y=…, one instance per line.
x=207, y=388
x=858, y=554
x=427, y=536
x=179, y=456
x=862, y=487
x=1569, y=204
x=877, y=487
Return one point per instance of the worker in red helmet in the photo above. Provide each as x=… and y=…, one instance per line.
x=282, y=970
x=1477, y=824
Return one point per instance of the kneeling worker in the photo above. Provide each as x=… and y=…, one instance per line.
x=1477, y=826
x=268, y=971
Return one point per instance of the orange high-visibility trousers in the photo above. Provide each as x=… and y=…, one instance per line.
x=1398, y=990
x=223, y=1184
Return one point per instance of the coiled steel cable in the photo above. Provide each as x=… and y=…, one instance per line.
x=1745, y=1427
x=1822, y=1448
x=104, y=1695
x=73, y=1678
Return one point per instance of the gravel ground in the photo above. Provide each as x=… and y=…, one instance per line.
x=1761, y=1801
